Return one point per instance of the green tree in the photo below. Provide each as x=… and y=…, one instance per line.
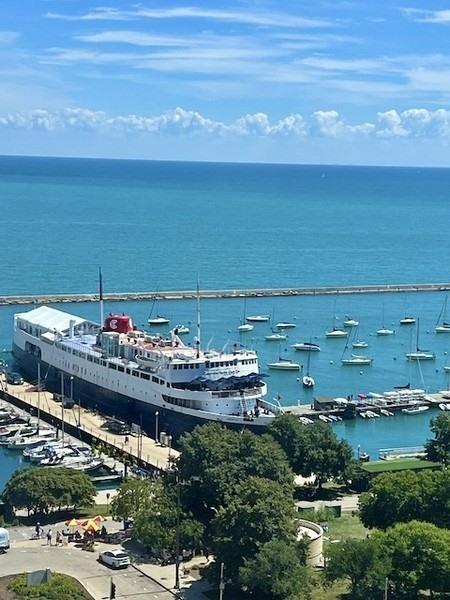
x=292, y=436
x=361, y=563
x=134, y=494
x=257, y=511
x=405, y=496
x=277, y=572
x=438, y=449
x=44, y=489
x=214, y=460
x=419, y=554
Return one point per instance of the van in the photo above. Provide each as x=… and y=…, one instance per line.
x=4, y=539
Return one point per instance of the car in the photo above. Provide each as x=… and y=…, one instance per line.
x=14, y=378
x=115, y=559
x=118, y=427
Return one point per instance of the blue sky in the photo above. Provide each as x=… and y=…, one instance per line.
x=311, y=81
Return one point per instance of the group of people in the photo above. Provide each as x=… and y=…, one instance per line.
x=48, y=535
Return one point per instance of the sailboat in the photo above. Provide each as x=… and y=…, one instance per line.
x=307, y=380
x=356, y=360
x=258, y=318
x=275, y=336
x=419, y=354
x=349, y=322
x=384, y=330
x=442, y=325
x=335, y=332
x=283, y=364
x=243, y=327
x=158, y=320
x=357, y=343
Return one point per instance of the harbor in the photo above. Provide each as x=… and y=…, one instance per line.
x=11, y=300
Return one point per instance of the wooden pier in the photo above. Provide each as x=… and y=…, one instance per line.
x=86, y=426
x=241, y=293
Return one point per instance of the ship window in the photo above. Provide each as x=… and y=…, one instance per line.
x=112, y=366
x=145, y=376
x=136, y=373
x=207, y=364
x=121, y=369
x=167, y=384
x=192, y=366
x=155, y=379
x=128, y=371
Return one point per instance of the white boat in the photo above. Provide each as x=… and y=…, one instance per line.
x=336, y=333
x=372, y=415
x=258, y=318
x=284, y=364
x=305, y=420
x=325, y=419
x=181, y=330
x=363, y=415
x=415, y=410
x=158, y=320
x=360, y=344
x=306, y=347
x=245, y=327
x=351, y=323
x=419, y=354
x=285, y=325
x=357, y=360
x=447, y=369
x=386, y=413
x=385, y=331
x=408, y=320
x=442, y=324
x=442, y=406
x=32, y=441
x=275, y=337
x=307, y=380
x=42, y=451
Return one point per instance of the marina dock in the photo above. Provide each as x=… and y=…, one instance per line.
x=86, y=426
x=241, y=293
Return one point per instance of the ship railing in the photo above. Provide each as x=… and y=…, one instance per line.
x=274, y=407
x=234, y=393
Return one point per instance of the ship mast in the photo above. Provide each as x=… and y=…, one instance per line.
x=100, y=290
x=197, y=343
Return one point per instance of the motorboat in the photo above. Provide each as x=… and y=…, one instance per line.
x=444, y=328
x=360, y=344
x=284, y=364
x=32, y=441
x=17, y=432
x=158, y=320
x=336, y=333
x=447, y=369
x=181, y=330
x=306, y=347
x=275, y=337
x=257, y=318
x=385, y=331
x=408, y=320
x=325, y=419
x=351, y=323
x=386, y=413
x=372, y=415
x=357, y=360
x=443, y=325
x=442, y=406
x=415, y=410
x=308, y=381
x=286, y=325
x=305, y=421
x=245, y=327
x=37, y=453
x=420, y=355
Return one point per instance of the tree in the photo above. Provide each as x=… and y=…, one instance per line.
x=257, y=511
x=214, y=460
x=438, y=449
x=277, y=572
x=405, y=496
x=44, y=489
x=361, y=563
x=134, y=494
x=293, y=438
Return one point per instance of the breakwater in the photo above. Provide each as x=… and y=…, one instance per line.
x=236, y=293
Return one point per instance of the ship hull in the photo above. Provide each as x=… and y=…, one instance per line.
x=107, y=402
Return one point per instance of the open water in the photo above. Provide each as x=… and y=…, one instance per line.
x=155, y=225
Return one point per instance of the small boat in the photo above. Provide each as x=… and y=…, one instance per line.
x=305, y=421
x=158, y=320
x=360, y=344
x=181, y=330
x=364, y=457
x=444, y=328
x=336, y=333
x=442, y=406
x=443, y=325
x=306, y=347
x=275, y=337
x=419, y=354
x=243, y=327
x=408, y=320
x=415, y=410
x=363, y=415
x=308, y=381
x=325, y=419
x=32, y=441
x=447, y=369
x=284, y=364
x=257, y=318
x=386, y=413
x=285, y=325
x=385, y=331
x=372, y=415
x=357, y=360
x=351, y=323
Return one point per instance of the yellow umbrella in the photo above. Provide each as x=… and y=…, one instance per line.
x=91, y=525
x=98, y=519
x=72, y=523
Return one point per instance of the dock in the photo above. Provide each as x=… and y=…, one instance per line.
x=86, y=425
x=227, y=293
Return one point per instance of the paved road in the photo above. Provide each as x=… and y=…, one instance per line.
x=28, y=555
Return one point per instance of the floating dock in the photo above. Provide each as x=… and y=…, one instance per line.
x=242, y=293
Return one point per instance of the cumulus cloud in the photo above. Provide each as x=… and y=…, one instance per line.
x=391, y=124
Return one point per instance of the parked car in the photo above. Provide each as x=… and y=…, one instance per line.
x=115, y=559
x=118, y=427
x=14, y=378
x=4, y=539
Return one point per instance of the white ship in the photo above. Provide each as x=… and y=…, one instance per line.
x=142, y=378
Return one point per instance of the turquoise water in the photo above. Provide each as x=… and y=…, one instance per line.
x=154, y=225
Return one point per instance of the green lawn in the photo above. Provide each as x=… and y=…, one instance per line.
x=383, y=466
x=345, y=527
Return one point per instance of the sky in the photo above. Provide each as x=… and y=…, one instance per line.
x=299, y=81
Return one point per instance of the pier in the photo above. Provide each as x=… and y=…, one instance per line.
x=86, y=426
x=236, y=293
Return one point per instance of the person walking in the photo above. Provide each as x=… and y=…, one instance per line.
x=38, y=530
x=49, y=537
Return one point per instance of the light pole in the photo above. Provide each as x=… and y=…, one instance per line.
x=221, y=582
x=156, y=426
x=39, y=395
x=62, y=407
x=108, y=495
x=177, y=536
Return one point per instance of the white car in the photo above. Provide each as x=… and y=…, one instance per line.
x=115, y=558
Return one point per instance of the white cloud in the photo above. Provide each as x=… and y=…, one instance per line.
x=421, y=15
x=391, y=124
x=257, y=18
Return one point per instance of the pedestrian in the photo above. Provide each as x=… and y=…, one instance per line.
x=38, y=530
x=49, y=537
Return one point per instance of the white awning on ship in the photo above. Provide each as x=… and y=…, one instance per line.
x=50, y=318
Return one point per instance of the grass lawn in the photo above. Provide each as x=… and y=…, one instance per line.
x=345, y=527
x=60, y=587
x=384, y=466
x=335, y=592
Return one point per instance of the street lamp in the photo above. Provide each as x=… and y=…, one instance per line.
x=177, y=535
x=156, y=426
x=108, y=495
x=62, y=407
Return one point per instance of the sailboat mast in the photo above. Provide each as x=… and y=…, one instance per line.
x=197, y=343
x=417, y=335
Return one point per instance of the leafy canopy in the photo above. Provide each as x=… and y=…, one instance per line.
x=438, y=449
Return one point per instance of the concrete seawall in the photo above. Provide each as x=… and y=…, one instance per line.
x=242, y=293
